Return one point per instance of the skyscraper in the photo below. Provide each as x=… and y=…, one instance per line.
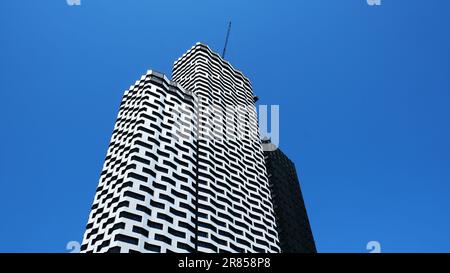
x=185, y=168
x=235, y=211
x=145, y=199
x=294, y=230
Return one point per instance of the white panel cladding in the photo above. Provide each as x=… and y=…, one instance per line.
x=235, y=209
x=146, y=200
x=146, y=193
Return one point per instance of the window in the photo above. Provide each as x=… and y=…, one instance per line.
x=126, y=239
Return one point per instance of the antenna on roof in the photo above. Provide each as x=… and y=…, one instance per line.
x=226, y=40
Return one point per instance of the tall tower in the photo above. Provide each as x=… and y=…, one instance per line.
x=293, y=226
x=145, y=199
x=235, y=211
x=184, y=171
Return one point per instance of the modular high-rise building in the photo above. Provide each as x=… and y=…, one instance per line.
x=185, y=170
x=235, y=211
x=145, y=199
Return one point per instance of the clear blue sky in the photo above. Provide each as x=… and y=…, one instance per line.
x=364, y=95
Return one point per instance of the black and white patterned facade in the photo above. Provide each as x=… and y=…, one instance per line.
x=169, y=183
x=235, y=211
x=145, y=197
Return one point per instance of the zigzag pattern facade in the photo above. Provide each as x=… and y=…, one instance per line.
x=145, y=198
x=235, y=206
x=168, y=183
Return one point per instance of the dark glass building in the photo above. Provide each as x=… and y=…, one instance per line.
x=294, y=230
